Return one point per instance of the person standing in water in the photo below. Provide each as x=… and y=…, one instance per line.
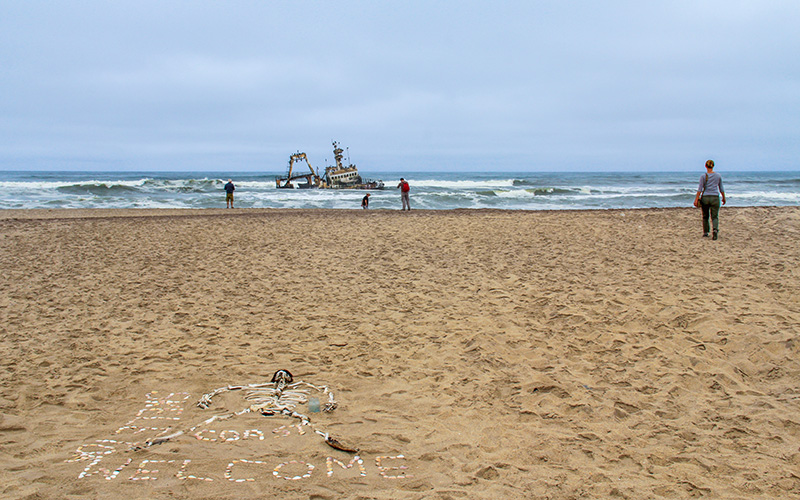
x=707, y=198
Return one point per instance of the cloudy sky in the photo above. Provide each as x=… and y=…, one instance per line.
x=406, y=85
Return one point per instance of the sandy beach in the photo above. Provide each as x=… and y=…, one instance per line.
x=472, y=354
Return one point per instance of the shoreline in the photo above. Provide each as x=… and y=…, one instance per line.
x=110, y=213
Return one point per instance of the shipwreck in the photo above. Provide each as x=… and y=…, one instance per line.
x=336, y=176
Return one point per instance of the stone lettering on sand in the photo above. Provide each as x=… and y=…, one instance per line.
x=161, y=412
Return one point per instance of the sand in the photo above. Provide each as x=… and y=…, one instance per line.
x=473, y=354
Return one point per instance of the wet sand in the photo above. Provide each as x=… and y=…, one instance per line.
x=473, y=354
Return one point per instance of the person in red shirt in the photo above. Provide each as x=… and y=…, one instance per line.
x=404, y=189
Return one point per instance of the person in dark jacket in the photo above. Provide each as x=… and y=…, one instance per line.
x=229, y=188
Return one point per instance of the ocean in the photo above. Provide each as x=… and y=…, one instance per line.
x=429, y=190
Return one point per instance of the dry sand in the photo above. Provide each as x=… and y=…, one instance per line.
x=474, y=354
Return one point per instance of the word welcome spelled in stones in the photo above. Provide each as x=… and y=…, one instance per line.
x=159, y=415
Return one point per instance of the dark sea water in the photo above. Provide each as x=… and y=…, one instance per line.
x=429, y=190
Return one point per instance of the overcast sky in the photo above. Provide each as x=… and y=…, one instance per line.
x=405, y=85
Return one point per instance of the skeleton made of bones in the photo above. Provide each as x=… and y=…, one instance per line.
x=280, y=396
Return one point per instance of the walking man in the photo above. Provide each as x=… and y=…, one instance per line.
x=404, y=189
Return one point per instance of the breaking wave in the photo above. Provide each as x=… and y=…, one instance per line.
x=429, y=190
